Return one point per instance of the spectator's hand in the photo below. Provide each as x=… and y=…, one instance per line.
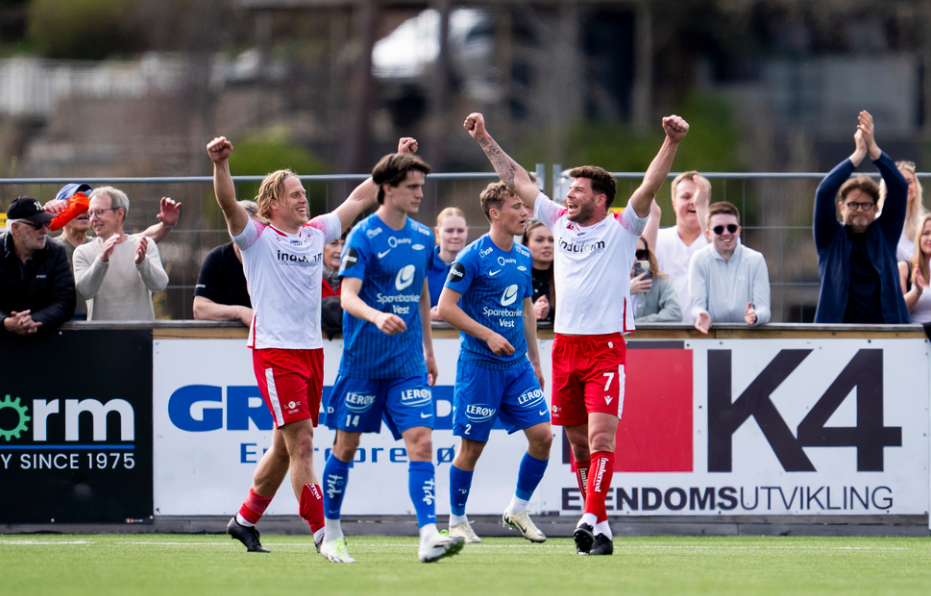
x=140, y=250
x=169, y=212
x=407, y=145
x=432, y=371
x=56, y=206
x=918, y=280
x=108, y=247
x=21, y=323
x=675, y=127
x=245, y=315
x=541, y=308
x=499, y=346
x=435, y=313
x=475, y=125
x=750, y=314
x=390, y=324
x=860, y=152
x=639, y=285
x=703, y=322
x=219, y=149
x=866, y=126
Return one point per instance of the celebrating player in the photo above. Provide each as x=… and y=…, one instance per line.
x=498, y=374
x=594, y=255
x=283, y=265
x=387, y=367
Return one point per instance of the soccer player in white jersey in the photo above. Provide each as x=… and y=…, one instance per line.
x=283, y=264
x=594, y=254
x=387, y=367
x=488, y=297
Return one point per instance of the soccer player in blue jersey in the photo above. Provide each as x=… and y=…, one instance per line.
x=388, y=366
x=488, y=297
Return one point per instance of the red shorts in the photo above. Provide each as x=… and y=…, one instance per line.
x=291, y=382
x=588, y=377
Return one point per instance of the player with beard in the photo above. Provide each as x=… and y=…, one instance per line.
x=594, y=254
x=857, y=258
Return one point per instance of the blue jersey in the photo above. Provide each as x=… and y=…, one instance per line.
x=493, y=284
x=436, y=276
x=392, y=265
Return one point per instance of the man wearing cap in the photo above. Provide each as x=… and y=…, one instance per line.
x=36, y=285
x=117, y=273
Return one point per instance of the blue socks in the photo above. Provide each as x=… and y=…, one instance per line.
x=335, y=477
x=460, y=482
x=422, y=488
x=529, y=476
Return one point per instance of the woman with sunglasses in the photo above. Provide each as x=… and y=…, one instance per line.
x=914, y=275
x=652, y=291
x=914, y=210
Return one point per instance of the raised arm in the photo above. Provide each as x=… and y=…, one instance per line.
x=825, y=224
x=219, y=150
x=675, y=128
x=514, y=177
x=365, y=195
x=168, y=214
x=651, y=230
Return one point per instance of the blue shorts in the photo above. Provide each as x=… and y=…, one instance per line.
x=483, y=395
x=359, y=405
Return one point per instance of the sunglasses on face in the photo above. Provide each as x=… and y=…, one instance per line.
x=38, y=226
x=731, y=229
x=642, y=254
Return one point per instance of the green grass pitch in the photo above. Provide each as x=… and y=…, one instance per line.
x=195, y=565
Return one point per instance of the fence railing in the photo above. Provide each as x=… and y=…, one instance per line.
x=776, y=217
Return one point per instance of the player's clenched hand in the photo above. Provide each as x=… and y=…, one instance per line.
x=407, y=145
x=390, y=324
x=219, y=149
x=499, y=345
x=475, y=125
x=675, y=127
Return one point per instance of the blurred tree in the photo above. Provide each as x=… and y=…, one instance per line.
x=82, y=29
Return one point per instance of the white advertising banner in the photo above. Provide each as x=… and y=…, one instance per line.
x=211, y=428
x=752, y=427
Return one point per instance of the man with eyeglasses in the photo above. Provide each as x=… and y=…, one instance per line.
x=36, y=285
x=856, y=257
x=116, y=272
x=728, y=282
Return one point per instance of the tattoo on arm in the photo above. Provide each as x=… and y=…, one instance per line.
x=503, y=164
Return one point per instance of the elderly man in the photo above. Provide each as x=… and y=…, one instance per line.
x=856, y=258
x=728, y=282
x=116, y=272
x=36, y=285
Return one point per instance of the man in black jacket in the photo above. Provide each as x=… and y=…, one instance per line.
x=36, y=283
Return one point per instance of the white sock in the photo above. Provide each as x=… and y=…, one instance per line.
x=334, y=530
x=243, y=521
x=588, y=518
x=318, y=535
x=427, y=532
x=604, y=528
x=517, y=504
x=455, y=520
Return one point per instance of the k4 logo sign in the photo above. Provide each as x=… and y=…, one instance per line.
x=860, y=380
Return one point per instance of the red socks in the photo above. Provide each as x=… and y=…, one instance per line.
x=581, y=476
x=599, y=483
x=254, y=506
x=312, y=506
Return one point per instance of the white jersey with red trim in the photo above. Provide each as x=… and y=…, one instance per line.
x=284, y=272
x=592, y=269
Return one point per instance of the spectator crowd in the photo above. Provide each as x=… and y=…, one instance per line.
x=873, y=260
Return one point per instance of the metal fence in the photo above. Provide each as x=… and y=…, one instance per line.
x=776, y=212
